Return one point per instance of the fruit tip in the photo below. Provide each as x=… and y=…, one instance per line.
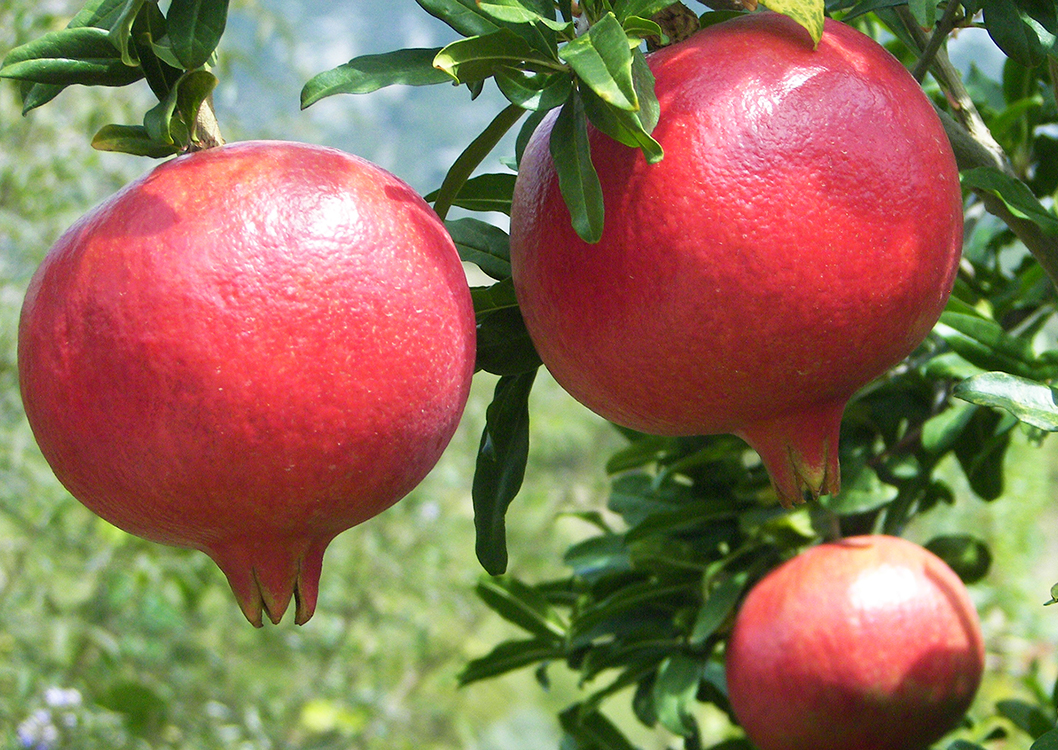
x=265, y=580
x=799, y=450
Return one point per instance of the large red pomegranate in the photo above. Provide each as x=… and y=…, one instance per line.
x=800, y=237
x=248, y=351
x=870, y=643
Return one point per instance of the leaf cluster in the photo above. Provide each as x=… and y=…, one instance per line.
x=120, y=42
x=542, y=58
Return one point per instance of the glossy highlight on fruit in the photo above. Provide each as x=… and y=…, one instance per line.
x=869, y=643
x=248, y=351
x=799, y=238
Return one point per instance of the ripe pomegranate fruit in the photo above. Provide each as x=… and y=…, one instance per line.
x=800, y=237
x=871, y=643
x=248, y=351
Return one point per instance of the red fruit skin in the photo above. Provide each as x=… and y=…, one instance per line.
x=871, y=643
x=800, y=237
x=248, y=351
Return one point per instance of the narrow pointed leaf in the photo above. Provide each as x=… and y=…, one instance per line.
x=462, y=15
x=121, y=31
x=577, y=179
x=480, y=57
x=71, y=56
x=131, y=139
x=500, y=467
x=1030, y=401
x=718, y=605
x=485, y=245
x=593, y=730
x=507, y=657
x=195, y=29
x=1015, y=194
x=643, y=8
x=602, y=59
x=362, y=75
x=534, y=91
x=674, y=693
x=521, y=605
x=486, y=192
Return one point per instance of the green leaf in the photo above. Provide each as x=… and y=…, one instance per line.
x=1013, y=192
x=641, y=28
x=362, y=75
x=980, y=450
x=131, y=139
x=121, y=31
x=500, y=467
x=483, y=244
x=626, y=599
x=534, y=91
x=514, y=12
x=602, y=59
x=462, y=15
x=924, y=12
x=1027, y=717
x=965, y=745
x=1015, y=31
x=161, y=75
x=71, y=56
x=985, y=344
x=970, y=558
x=507, y=657
x=577, y=179
x=674, y=694
x=504, y=344
x=195, y=29
x=480, y=57
x=624, y=9
x=598, y=556
x=460, y=171
x=486, y=192
x=1047, y=741
x=592, y=730
x=1028, y=400
x=940, y=432
x=521, y=605
x=719, y=604
x=808, y=13
x=623, y=126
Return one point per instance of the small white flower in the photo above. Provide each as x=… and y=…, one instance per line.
x=62, y=698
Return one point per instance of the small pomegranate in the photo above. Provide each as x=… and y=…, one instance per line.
x=871, y=643
x=248, y=351
x=800, y=237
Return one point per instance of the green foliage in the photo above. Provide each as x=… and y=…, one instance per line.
x=643, y=607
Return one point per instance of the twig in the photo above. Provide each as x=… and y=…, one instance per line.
x=974, y=146
x=936, y=41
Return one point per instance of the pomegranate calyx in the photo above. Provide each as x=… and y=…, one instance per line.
x=265, y=577
x=800, y=451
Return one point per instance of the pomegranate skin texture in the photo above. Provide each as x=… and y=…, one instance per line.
x=246, y=352
x=800, y=237
x=870, y=643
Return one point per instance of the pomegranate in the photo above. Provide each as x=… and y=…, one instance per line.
x=800, y=237
x=247, y=351
x=870, y=643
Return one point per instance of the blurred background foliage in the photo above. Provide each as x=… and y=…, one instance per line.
x=107, y=641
